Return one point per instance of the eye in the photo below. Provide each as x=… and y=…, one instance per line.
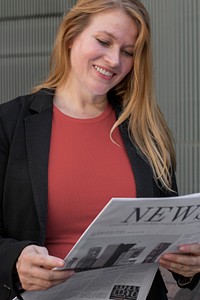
x=127, y=53
x=103, y=42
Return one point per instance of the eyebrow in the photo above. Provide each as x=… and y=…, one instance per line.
x=112, y=36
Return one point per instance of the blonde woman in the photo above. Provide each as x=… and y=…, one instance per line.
x=91, y=131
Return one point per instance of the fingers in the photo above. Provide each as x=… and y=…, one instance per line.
x=191, y=248
x=34, y=267
x=39, y=256
x=177, y=265
x=41, y=279
x=45, y=261
x=185, y=263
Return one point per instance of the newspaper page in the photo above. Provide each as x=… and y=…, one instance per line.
x=139, y=230
x=130, y=234
x=124, y=282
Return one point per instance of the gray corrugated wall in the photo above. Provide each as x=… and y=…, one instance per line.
x=27, y=29
x=176, y=39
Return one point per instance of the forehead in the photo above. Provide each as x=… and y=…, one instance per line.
x=114, y=22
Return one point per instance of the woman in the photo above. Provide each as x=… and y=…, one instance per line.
x=63, y=146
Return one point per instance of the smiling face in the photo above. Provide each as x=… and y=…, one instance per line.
x=102, y=54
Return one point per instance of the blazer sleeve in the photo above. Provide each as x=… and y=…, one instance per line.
x=182, y=281
x=10, y=248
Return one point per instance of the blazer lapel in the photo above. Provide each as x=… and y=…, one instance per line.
x=38, y=132
x=140, y=166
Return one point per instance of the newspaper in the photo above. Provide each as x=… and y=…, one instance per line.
x=116, y=257
x=123, y=282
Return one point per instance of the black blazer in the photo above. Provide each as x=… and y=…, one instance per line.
x=25, y=130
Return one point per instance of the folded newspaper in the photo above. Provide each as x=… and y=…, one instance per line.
x=116, y=257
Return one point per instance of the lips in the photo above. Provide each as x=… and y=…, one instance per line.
x=103, y=71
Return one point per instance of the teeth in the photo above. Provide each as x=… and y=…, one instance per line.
x=104, y=72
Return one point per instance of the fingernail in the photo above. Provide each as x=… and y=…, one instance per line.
x=182, y=248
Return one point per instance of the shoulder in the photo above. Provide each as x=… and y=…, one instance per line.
x=14, y=112
x=26, y=105
x=11, y=111
x=13, y=107
x=10, y=114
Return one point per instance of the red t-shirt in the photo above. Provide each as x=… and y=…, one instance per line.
x=86, y=169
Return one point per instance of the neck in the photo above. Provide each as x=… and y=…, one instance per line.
x=78, y=105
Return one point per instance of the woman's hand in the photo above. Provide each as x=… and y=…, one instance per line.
x=185, y=263
x=34, y=267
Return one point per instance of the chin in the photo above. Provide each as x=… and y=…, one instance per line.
x=101, y=92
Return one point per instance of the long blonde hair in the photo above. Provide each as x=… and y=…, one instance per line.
x=147, y=126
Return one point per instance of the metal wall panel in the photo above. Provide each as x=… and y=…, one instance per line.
x=176, y=48
x=25, y=8
x=27, y=31
x=24, y=55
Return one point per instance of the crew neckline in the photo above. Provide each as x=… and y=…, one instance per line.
x=107, y=111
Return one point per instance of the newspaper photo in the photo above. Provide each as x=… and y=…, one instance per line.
x=130, y=231
x=122, y=245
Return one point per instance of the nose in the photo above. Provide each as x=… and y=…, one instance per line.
x=112, y=57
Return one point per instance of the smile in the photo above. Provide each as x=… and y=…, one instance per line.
x=103, y=71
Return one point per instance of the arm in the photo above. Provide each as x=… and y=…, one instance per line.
x=9, y=248
x=185, y=266
x=24, y=263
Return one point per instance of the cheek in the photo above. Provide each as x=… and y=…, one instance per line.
x=126, y=70
x=128, y=67
x=77, y=51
